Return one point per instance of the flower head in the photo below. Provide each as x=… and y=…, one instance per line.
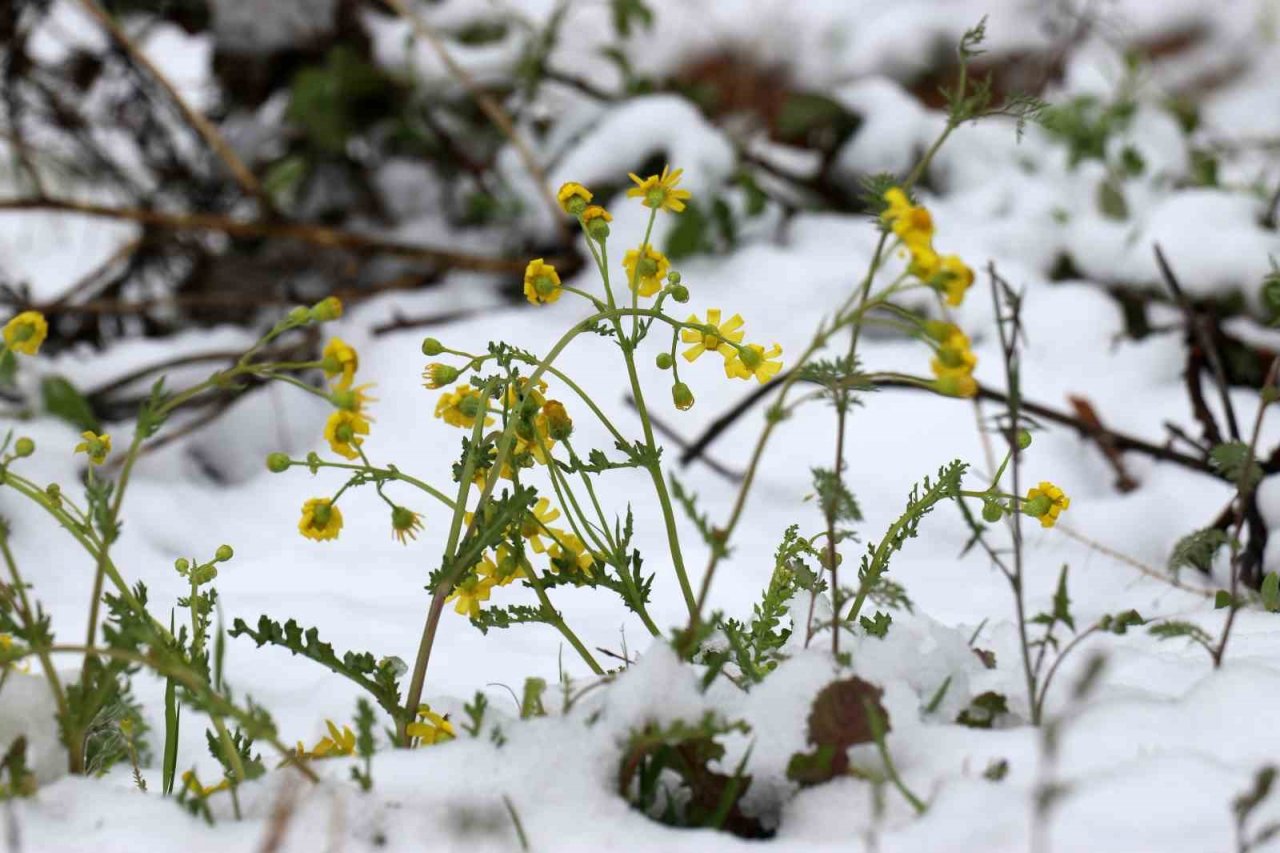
x=461, y=406
x=337, y=742
x=405, y=524
x=507, y=566
x=573, y=198
x=26, y=332
x=541, y=282
x=535, y=523
x=559, y=424
x=713, y=336
x=1046, y=502
x=343, y=431
x=95, y=446
x=321, y=520
x=340, y=361
x=645, y=274
x=954, y=277
x=754, y=360
x=569, y=554
x=912, y=224
x=468, y=594
x=659, y=191
x=437, y=375
x=431, y=728
x=595, y=219
x=354, y=400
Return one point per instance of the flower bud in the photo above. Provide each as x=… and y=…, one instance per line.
x=682, y=396
x=182, y=564
x=992, y=511
x=673, y=277
x=298, y=316
x=277, y=463
x=559, y=424
x=680, y=293
x=431, y=347
x=1024, y=439
x=54, y=494
x=664, y=361
x=24, y=447
x=438, y=375
x=329, y=308
x=223, y=553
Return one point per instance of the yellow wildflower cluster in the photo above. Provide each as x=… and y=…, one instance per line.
x=913, y=225
x=349, y=422
x=953, y=362
x=725, y=337
x=337, y=743
x=566, y=554
x=430, y=728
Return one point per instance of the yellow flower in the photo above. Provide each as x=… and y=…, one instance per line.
x=535, y=522
x=707, y=341
x=569, y=554
x=520, y=388
x=595, y=219
x=438, y=375
x=659, y=191
x=508, y=567
x=96, y=446
x=652, y=268
x=192, y=783
x=954, y=357
x=353, y=400
x=338, y=742
x=559, y=424
x=956, y=385
x=1046, y=502
x=7, y=651
x=461, y=406
x=343, y=431
x=339, y=360
x=405, y=524
x=468, y=594
x=754, y=360
x=925, y=262
x=911, y=223
x=573, y=198
x=321, y=520
x=955, y=278
x=541, y=283
x=26, y=332
x=431, y=728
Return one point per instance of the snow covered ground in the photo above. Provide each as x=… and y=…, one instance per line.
x=1151, y=760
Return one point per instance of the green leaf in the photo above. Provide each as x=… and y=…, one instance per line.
x=1197, y=549
x=62, y=400
x=1235, y=460
x=877, y=626
x=627, y=13
x=1270, y=591
x=984, y=710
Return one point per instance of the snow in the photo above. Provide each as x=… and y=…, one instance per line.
x=1152, y=758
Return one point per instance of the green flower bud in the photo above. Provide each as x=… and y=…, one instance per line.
x=298, y=316
x=673, y=277
x=431, y=347
x=223, y=553
x=182, y=564
x=24, y=447
x=680, y=293
x=682, y=396
x=329, y=308
x=664, y=361
x=277, y=463
x=992, y=511
x=1024, y=439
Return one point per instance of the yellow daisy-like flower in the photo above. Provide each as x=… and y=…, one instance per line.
x=659, y=191
x=321, y=520
x=469, y=593
x=925, y=264
x=340, y=361
x=354, y=400
x=754, y=360
x=954, y=357
x=1046, y=502
x=431, y=728
x=955, y=278
x=535, y=522
x=405, y=524
x=338, y=742
x=461, y=406
x=708, y=341
x=508, y=567
x=573, y=198
x=521, y=387
x=569, y=554
x=95, y=446
x=541, y=282
x=192, y=783
x=343, y=431
x=644, y=275
x=438, y=375
x=595, y=213
x=26, y=332
x=911, y=223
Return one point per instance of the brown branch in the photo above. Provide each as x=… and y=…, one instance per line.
x=317, y=235
x=1088, y=416
x=1122, y=441
x=216, y=142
